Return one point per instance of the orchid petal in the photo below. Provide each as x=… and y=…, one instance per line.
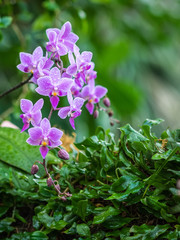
x=26, y=105
x=36, y=118
x=45, y=125
x=71, y=120
x=86, y=56
x=65, y=84
x=90, y=107
x=73, y=37
x=56, y=144
x=51, y=35
x=55, y=134
x=22, y=68
x=76, y=114
x=69, y=45
x=85, y=92
x=70, y=98
x=55, y=76
x=72, y=69
x=25, y=126
x=62, y=49
x=43, y=150
x=32, y=142
x=44, y=86
x=37, y=54
x=63, y=112
x=71, y=58
x=35, y=133
x=54, y=101
x=67, y=29
x=26, y=58
x=100, y=91
x=38, y=105
x=78, y=102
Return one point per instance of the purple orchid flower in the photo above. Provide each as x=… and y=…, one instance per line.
x=61, y=41
x=72, y=111
x=93, y=94
x=35, y=63
x=78, y=69
x=45, y=136
x=53, y=86
x=31, y=113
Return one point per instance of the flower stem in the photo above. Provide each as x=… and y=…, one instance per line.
x=50, y=114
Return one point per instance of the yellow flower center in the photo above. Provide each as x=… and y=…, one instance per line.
x=44, y=142
x=54, y=93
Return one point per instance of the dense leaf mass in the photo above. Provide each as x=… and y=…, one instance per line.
x=124, y=189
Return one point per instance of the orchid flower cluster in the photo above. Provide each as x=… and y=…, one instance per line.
x=77, y=82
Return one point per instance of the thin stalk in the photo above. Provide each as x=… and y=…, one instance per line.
x=16, y=87
x=50, y=114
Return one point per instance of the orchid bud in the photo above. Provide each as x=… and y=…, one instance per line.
x=96, y=114
x=63, y=154
x=110, y=113
x=34, y=169
x=106, y=102
x=68, y=194
x=58, y=188
x=49, y=182
x=112, y=124
x=63, y=198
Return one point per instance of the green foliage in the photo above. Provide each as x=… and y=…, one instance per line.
x=135, y=47
x=124, y=189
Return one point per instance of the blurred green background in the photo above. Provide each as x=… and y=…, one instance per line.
x=135, y=47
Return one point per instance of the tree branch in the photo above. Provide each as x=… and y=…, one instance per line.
x=16, y=87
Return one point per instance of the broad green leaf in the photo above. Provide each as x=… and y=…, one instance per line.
x=168, y=217
x=51, y=6
x=80, y=208
x=3, y=210
x=153, y=203
x=16, y=152
x=43, y=21
x=116, y=222
x=83, y=230
x=133, y=187
x=123, y=182
x=38, y=235
x=146, y=232
x=103, y=216
x=5, y=21
x=5, y=225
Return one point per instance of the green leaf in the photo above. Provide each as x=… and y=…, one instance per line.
x=16, y=152
x=80, y=208
x=146, y=232
x=168, y=217
x=116, y=222
x=42, y=22
x=153, y=203
x=91, y=142
x=3, y=210
x=5, y=21
x=133, y=187
x=38, y=235
x=103, y=216
x=51, y=5
x=83, y=230
x=5, y=225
